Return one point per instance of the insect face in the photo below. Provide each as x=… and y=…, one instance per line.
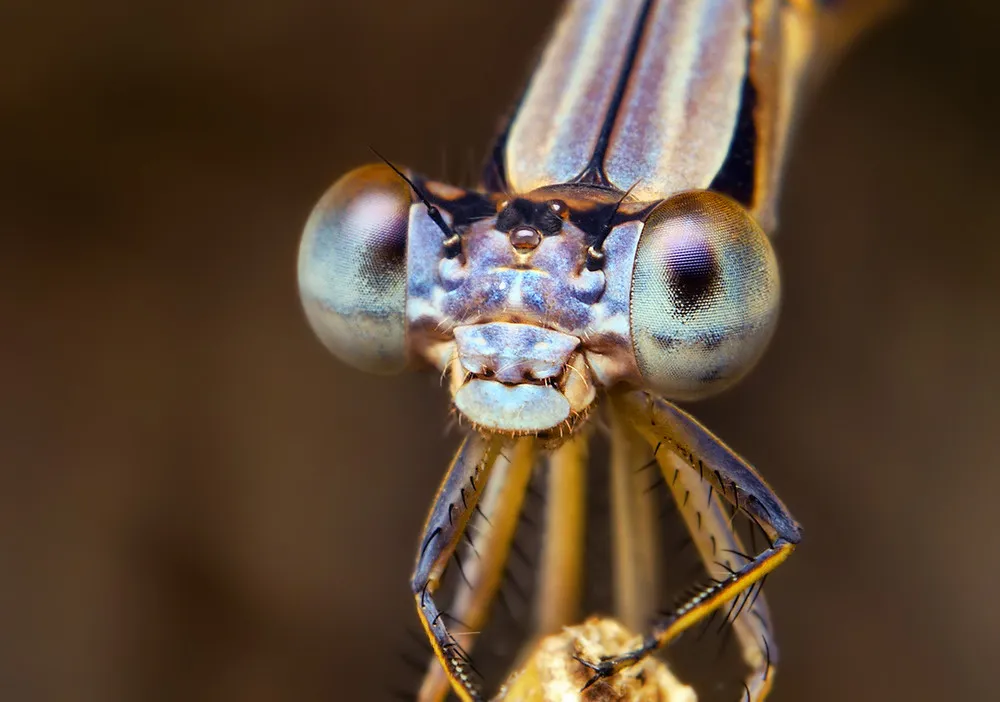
x=502, y=294
x=519, y=302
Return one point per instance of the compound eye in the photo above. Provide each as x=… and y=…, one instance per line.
x=705, y=294
x=352, y=269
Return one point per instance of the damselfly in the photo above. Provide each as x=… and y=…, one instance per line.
x=616, y=258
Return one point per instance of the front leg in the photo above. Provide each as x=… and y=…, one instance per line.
x=722, y=551
x=454, y=504
x=726, y=474
x=502, y=499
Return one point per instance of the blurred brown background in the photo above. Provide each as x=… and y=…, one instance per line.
x=198, y=503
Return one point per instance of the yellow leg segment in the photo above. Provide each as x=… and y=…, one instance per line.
x=560, y=576
x=718, y=471
x=635, y=529
x=721, y=551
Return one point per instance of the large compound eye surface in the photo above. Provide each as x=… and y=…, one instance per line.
x=352, y=269
x=705, y=295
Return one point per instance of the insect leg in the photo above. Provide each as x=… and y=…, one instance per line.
x=722, y=552
x=495, y=525
x=661, y=423
x=634, y=523
x=454, y=504
x=560, y=574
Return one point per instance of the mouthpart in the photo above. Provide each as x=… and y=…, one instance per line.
x=520, y=379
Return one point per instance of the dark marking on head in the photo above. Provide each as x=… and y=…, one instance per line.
x=521, y=212
x=466, y=208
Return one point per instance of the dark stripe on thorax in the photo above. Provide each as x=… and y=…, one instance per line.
x=594, y=173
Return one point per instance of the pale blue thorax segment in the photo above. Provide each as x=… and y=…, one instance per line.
x=668, y=123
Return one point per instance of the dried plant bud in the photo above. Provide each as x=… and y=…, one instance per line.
x=552, y=674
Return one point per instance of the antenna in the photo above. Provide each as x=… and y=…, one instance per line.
x=595, y=255
x=451, y=240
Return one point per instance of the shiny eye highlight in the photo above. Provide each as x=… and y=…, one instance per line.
x=558, y=207
x=352, y=269
x=705, y=294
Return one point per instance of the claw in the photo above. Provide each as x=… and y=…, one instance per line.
x=577, y=659
x=606, y=668
x=598, y=673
